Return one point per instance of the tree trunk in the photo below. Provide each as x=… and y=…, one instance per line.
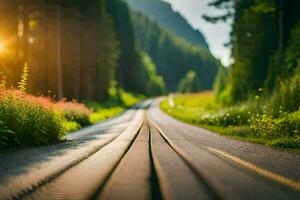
x=59, y=55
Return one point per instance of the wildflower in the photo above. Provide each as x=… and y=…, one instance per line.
x=24, y=78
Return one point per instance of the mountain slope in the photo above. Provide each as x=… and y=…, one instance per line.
x=162, y=13
x=174, y=56
x=135, y=71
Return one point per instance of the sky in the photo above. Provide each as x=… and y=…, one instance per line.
x=215, y=34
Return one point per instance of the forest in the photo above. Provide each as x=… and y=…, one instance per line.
x=73, y=63
x=265, y=51
x=257, y=98
x=65, y=64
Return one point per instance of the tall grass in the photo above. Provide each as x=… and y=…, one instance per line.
x=287, y=97
x=118, y=102
x=74, y=111
x=28, y=120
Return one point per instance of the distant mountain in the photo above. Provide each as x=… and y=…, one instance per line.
x=173, y=55
x=162, y=13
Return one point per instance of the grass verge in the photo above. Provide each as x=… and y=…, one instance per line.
x=243, y=122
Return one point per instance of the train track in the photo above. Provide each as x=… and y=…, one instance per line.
x=147, y=162
x=148, y=166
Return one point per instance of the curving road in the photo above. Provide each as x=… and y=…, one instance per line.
x=145, y=154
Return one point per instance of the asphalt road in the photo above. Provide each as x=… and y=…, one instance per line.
x=145, y=154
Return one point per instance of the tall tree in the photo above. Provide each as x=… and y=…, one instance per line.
x=260, y=34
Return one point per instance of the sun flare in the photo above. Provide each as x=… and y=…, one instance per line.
x=2, y=47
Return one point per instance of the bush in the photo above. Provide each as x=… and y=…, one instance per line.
x=28, y=120
x=232, y=116
x=129, y=99
x=189, y=83
x=118, y=102
x=287, y=97
x=251, y=120
x=105, y=113
x=74, y=111
x=70, y=126
x=287, y=125
x=6, y=136
x=117, y=97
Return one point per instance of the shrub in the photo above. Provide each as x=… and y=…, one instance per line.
x=118, y=97
x=6, y=136
x=70, y=126
x=232, y=116
x=189, y=83
x=287, y=125
x=287, y=98
x=30, y=120
x=129, y=99
x=74, y=111
x=105, y=113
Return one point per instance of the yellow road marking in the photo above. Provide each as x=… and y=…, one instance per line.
x=276, y=177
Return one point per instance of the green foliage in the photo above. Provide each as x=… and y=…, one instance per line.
x=252, y=120
x=105, y=113
x=118, y=97
x=232, y=116
x=129, y=63
x=27, y=120
x=292, y=55
x=265, y=45
x=74, y=112
x=153, y=83
x=189, y=83
x=190, y=107
x=129, y=99
x=7, y=137
x=31, y=121
x=225, y=97
x=264, y=6
x=162, y=13
x=220, y=82
x=71, y=126
x=118, y=102
x=287, y=97
x=287, y=125
x=173, y=55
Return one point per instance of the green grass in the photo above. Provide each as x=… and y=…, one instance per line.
x=71, y=126
x=117, y=104
x=243, y=122
x=79, y=115
x=105, y=113
x=27, y=120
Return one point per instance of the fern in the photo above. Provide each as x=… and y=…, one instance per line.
x=24, y=78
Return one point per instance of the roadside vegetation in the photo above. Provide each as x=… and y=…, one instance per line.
x=258, y=96
x=28, y=120
x=252, y=120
